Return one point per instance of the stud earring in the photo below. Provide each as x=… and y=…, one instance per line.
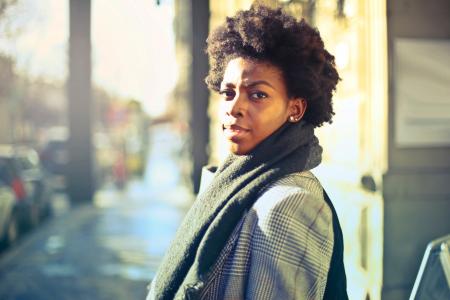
x=293, y=119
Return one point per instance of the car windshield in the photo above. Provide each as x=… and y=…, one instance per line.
x=26, y=164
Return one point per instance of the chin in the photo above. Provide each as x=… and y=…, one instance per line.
x=238, y=149
x=237, y=152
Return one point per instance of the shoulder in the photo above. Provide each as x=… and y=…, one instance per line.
x=296, y=199
x=284, y=241
x=291, y=238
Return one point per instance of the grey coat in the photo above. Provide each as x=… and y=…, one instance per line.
x=281, y=249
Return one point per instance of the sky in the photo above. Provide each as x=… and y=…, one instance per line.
x=133, y=47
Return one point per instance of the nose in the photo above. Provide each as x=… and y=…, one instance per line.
x=237, y=106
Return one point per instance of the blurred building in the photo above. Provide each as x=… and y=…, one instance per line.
x=415, y=186
x=12, y=125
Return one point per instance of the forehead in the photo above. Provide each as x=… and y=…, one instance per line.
x=245, y=71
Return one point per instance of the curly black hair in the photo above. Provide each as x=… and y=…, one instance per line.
x=270, y=35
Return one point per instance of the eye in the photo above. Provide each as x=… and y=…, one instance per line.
x=227, y=94
x=258, y=95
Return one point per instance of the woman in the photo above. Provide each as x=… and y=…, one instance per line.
x=262, y=228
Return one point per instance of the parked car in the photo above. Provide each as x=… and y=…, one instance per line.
x=11, y=177
x=54, y=158
x=9, y=227
x=32, y=172
x=23, y=173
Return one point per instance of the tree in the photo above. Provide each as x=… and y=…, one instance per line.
x=4, y=5
x=6, y=76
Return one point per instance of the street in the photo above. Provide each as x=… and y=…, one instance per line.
x=106, y=250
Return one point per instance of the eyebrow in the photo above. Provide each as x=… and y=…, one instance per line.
x=251, y=84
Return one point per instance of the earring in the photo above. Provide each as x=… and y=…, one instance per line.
x=293, y=119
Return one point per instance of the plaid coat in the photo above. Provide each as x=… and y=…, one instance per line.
x=281, y=249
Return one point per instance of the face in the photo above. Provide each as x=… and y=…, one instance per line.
x=254, y=104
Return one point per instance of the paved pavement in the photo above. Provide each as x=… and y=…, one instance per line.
x=107, y=250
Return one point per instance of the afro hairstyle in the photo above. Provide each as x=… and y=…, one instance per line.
x=271, y=36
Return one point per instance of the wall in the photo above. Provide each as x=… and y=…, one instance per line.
x=416, y=186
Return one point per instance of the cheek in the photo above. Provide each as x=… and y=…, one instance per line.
x=222, y=109
x=270, y=123
x=271, y=117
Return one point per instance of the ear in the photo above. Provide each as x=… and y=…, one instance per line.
x=296, y=108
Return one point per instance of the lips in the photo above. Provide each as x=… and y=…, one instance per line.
x=234, y=127
x=234, y=132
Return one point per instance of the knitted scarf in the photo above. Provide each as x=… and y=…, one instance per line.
x=236, y=185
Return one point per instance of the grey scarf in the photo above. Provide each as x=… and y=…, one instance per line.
x=233, y=190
